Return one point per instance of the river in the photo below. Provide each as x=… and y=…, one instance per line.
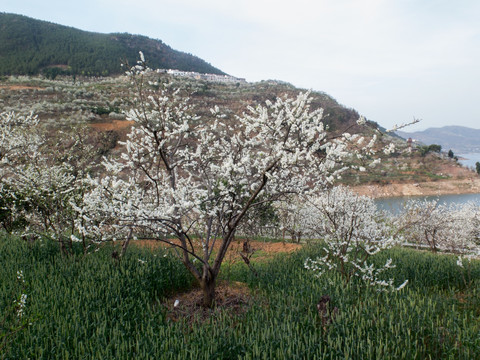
x=469, y=159
x=395, y=204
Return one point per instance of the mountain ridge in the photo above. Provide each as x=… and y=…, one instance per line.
x=29, y=47
x=459, y=139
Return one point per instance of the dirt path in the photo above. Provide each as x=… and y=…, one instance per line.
x=112, y=125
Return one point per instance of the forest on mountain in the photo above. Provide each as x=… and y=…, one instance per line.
x=29, y=47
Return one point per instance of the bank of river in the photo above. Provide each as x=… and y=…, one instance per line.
x=469, y=185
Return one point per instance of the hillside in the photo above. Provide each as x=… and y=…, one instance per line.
x=92, y=100
x=29, y=46
x=98, y=103
x=460, y=139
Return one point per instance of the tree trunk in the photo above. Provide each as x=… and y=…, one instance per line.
x=63, y=249
x=208, y=288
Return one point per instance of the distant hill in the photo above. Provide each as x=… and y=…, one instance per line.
x=458, y=138
x=29, y=47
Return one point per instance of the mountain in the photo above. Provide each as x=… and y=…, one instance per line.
x=458, y=138
x=29, y=46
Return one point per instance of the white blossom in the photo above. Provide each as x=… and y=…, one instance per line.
x=20, y=305
x=400, y=287
x=460, y=261
x=390, y=149
x=361, y=120
x=352, y=230
x=20, y=276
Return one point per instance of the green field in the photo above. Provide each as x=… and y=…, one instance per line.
x=90, y=307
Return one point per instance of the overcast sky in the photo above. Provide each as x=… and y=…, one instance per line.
x=391, y=60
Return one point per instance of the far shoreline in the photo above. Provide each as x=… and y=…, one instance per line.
x=430, y=188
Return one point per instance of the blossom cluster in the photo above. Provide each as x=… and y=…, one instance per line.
x=352, y=231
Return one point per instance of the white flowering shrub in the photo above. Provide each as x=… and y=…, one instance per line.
x=190, y=182
x=19, y=138
x=352, y=230
x=43, y=193
x=42, y=179
x=452, y=228
x=463, y=230
x=20, y=141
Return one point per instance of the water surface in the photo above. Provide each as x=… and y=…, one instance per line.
x=396, y=204
x=469, y=159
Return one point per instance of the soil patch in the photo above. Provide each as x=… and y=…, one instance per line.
x=430, y=188
x=20, y=87
x=456, y=171
x=461, y=181
x=231, y=298
x=112, y=125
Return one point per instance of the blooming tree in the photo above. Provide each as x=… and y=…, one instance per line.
x=190, y=182
x=438, y=226
x=41, y=178
x=19, y=138
x=352, y=231
x=19, y=142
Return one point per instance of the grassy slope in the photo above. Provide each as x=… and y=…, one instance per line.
x=91, y=308
x=63, y=103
